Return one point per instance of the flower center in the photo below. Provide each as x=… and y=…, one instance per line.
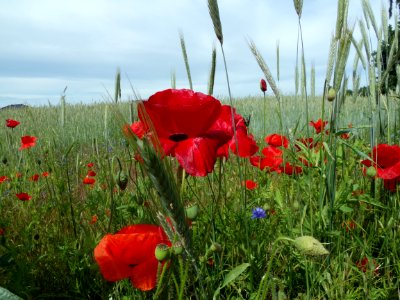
x=178, y=137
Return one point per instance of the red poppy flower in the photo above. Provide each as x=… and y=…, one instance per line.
x=45, y=174
x=387, y=164
x=27, y=142
x=12, y=123
x=277, y=140
x=365, y=264
x=89, y=180
x=93, y=220
x=190, y=126
x=263, y=85
x=290, y=169
x=34, y=177
x=3, y=178
x=271, y=160
x=130, y=254
x=91, y=173
x=319, y=125
x=246, y=144
x=23, y=196
x=90, y=165
x=250, y=185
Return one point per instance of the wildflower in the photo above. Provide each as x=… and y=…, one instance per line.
x=23, y=196
x=93, y=220
x=91, y=173
x=271, y=159
x=27, y=142
x=386, y=161
x=130, y=254
x=365, y=264
x=34, y=177
x=319, y=125
x=90, y=165
x=12, y=123
x=263, y=85
x=290, y=169
x=3, y=178
x=250, y=184
x=45, y=174
x=190, y=127
x=89, y=180
x=258, y=213
x=277, y=140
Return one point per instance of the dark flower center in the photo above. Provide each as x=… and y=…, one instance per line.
x=178, y=137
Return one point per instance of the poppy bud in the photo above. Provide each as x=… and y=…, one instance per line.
x=122, y=180
x=371, y=172
x=309, y=245
x=177, y=248
x=331, y=94
x=162, y=252
x=215, y=247
x=263, y=85
x=192, y=210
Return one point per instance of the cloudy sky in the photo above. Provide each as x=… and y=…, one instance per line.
x=48, y=45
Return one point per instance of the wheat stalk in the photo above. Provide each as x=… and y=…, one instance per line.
x=185, y=59
x=211, y=78
x=214, y=14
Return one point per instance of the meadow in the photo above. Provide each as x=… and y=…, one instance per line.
x=282, y=197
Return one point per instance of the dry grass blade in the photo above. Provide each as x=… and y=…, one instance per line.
x=214, y=14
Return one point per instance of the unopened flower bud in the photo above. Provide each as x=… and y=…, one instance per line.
x=263, y=85
x=215, y=247
x=177, y=248
x=162, y=252
x=191, y=210
x=371, y=172
x=309, y=245
x=331, y=94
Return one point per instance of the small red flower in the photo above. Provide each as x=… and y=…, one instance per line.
x=23, y=196
x=90, y=165
x=290, y=169
x=45, y=174
x=263, y=85
x=91, y=173
x=35, y=177
x=277, y=140
x=365, y=264
x=2, y=231
x=89, y=180
x=271, y=159
x=3, y=178
x=130, y=254
x=93, y=220
x=250, y=185
x=27, y=142
x=319, y=125
x=12, y=123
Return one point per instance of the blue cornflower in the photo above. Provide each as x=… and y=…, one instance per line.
x=258, y=213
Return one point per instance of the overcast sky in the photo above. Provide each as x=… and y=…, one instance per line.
x=47, y=45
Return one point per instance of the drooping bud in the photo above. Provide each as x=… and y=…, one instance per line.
x=263, y=85
x=162, y=252
x=122, y=180
x=309, y=245
x=191, y=210
x=331, y=94
x=215, y=247
x=371, y=172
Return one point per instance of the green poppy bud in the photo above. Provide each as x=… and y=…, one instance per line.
x=371, y=172
x=215, y=247
x=162, y=252
x=309, y=245
x=191, y=210
x=177, y=248
x=331, y=94
x=122, y=180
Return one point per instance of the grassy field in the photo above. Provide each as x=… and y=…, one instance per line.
x=88, y=201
